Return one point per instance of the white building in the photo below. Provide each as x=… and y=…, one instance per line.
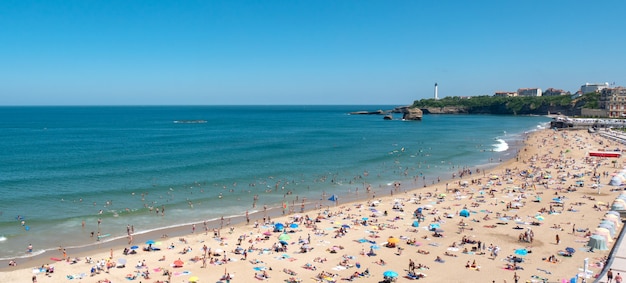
x=589, y=88
x=529, y=92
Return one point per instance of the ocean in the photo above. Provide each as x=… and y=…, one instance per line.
x=66, y=172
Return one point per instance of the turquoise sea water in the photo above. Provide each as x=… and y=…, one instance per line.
x=60, y=166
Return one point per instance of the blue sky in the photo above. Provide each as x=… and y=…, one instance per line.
x=300, y=52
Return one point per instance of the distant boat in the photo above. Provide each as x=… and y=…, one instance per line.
x=189, y=121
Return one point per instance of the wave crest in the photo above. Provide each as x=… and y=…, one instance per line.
x=500, y=146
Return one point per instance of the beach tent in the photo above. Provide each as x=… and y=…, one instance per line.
x=333, y=198
x=597, y=242
x=603, y=232
x=433, y=226
x=464, y=213
x=617, y=206
x=613, y=213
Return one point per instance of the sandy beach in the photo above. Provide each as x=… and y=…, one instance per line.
x=528, y=219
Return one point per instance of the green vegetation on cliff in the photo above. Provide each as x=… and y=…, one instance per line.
x=511, y=105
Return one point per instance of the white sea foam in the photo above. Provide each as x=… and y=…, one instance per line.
x=500, y=146
x=3, y=238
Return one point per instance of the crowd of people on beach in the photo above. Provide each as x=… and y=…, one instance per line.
x=424, y=227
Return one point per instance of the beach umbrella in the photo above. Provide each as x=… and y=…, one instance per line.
x=134, y=247
x=416, y=223
x=178, y=263
x=374, y=247
x=504, y=219
x=464, y=213
x=194, y=279
x=283, y=243
x=279, y=227
x=218, y=251
x=521, y=252
x=345, y=226
x=439, y=230
x=293, y=225
x=121, y=261
x=284, y=237
x=539, y=217
x=267, y=233
x=393, y=240
x=365, y=218
x=150, y=242
x=390, y=273
x=570, y=250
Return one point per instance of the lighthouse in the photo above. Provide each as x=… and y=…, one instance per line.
x=436, y=92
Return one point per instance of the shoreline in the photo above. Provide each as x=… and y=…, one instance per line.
x=543, y=151
x=181, y=230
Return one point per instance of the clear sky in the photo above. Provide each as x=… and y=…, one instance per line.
x=301, y=52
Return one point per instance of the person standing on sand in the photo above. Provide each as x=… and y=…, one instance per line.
x=618, y=278
x=558, y=240
x=609, y=275
x=515, y=277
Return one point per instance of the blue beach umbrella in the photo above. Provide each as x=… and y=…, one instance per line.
x=134, y=247
x=390, y=273
x=375, y=247
x=293, y=225
x=464, y=213
x=570, y=250
x=150, y=242
x=284, y=243
x=279, y=226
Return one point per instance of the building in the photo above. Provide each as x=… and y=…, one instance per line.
x=590, y=88
x=529, y=92
x=505, y=93
x=555, y=92
x=613, y=100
